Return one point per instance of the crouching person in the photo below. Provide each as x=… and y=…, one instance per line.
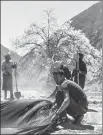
x=70, y=98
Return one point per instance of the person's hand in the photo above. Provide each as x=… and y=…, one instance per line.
x=14, y=65
x=54, y=108
x=82, y=72
x=64, y=84
x=59, y=87
x=5, y=72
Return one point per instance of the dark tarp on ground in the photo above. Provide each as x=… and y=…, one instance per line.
x=26, y=116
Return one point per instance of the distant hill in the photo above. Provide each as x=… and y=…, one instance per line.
x=90, y=22
x=14, y=55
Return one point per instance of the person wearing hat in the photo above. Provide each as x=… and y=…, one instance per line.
x=82, y=71
x=69, y=98
x=7, y=70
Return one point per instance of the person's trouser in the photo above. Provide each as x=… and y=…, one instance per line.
x=75, y=109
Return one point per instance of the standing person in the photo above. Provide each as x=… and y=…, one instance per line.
x=82, y=71
x=7, y=70
x=67, y=73
x=70, y=98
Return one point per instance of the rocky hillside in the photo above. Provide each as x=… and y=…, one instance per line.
x=4, y=51
x=90, y=22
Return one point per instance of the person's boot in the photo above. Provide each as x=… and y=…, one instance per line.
x=78, y=119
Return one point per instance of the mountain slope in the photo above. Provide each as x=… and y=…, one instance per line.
x=14, y=55
x=90, y=22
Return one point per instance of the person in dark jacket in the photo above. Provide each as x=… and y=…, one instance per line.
x=7, y=71
x=67, y=73
x=70, y=98
x=82, y=71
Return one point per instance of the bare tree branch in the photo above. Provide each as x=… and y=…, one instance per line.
x=41, y=29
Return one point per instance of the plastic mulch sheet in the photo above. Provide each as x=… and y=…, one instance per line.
x=26, y=116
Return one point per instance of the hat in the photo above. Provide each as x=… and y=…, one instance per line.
x=7, y=55
x=56, y=67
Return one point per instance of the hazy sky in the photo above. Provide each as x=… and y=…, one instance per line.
x=18, y=15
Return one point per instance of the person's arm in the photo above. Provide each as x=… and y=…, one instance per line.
x=65, y=102
x=52, y=97
x=85, y=68
x=3, y=66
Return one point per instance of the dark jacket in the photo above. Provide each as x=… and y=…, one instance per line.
x=82, y=67
x=77, y=93
x=78, y=99
x=67, y=73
